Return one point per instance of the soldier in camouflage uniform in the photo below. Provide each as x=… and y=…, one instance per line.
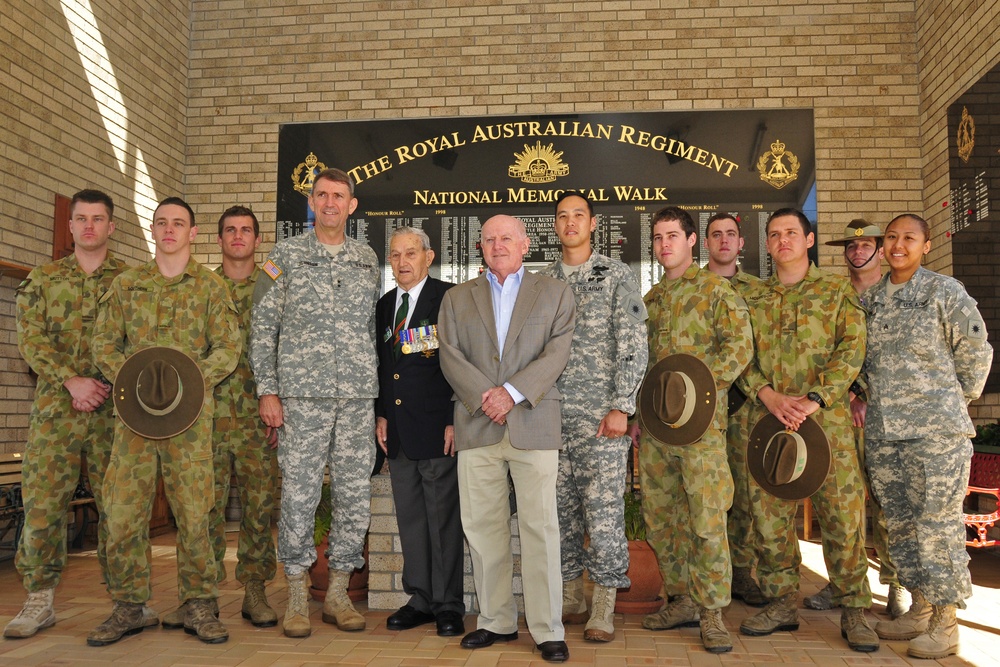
x=70, y=417
x=724, y=241
x=810, y=340
x=927, y=358
x=312, y=349
x=687, y=490
x=863, y=253
x=605, y=367
x=171, y=301
x=240, y=439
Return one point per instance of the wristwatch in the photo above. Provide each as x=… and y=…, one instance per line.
x=813, y=396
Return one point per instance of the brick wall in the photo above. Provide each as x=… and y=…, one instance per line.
x=957, y=46
x=54, y=137
x=204, y=112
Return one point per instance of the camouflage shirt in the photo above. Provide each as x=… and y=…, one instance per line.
x=700, y=314
x=313, y=325
x=927, y=358
x=609, y=353
x=56, y=311
x=809, y=336
x=191, y=312
x=235, y=396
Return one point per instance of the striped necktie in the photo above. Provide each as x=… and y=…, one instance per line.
x=401, y=312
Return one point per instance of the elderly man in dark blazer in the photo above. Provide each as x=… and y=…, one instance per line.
x=505, y=339
x=413, y=425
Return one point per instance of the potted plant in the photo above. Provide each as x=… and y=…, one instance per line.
x=643, y=596
x=319, y=573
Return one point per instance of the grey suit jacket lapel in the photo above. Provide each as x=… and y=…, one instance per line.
x=526, y=297
x=482, y=296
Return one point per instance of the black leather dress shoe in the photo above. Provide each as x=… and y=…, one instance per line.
x=554, y=651
x=407, y=617
x=483, y=638
x=450, y=624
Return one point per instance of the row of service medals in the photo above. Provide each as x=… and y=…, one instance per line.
x=419, y=339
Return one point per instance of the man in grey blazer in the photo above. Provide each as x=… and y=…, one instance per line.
x=505, y=339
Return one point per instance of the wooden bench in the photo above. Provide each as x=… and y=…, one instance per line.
x=80, y=508
x=984, y=479
x=11, y=506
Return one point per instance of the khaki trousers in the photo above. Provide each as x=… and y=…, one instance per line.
x=483, y=490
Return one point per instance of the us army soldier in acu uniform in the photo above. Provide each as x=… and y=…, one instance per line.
x=809, y=331
x=606, y=364
x=56, y=308
x=171, y=301
x=312, y=349
x=687, y=489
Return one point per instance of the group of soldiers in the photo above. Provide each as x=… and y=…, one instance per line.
x=303, y=360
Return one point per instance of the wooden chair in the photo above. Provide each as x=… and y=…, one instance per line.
x=984, y=478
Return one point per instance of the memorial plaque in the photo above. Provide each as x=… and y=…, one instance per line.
x=448, y=175
x=973, y=206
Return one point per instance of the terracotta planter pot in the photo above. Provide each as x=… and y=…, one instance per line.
x=319, y=576
x=643, y=596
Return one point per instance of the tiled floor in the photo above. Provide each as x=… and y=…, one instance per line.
x=81, y=604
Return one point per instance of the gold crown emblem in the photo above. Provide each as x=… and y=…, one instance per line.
x=303, y=182
x=538, y=164
x=778, y=175
x=966, y=135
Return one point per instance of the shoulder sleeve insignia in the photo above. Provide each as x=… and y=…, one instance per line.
x=636, y=309
x=975, y=328
x=271, y=269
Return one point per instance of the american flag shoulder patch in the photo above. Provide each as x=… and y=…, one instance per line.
x=271, y=269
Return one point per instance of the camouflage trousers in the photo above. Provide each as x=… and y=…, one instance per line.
x=240, y=446
x=185, y=463
x=840, y=506
x=590, y=496
x=49, y=476
x=742, y=543
x=880, y=532
x=921, y=484
x=686, y=492
x=320, y=432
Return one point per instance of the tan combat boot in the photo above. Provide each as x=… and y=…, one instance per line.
x=855, y=629
x=201, y=621
x=821, y=601
x=149, y=617
x=338, y=608
x=174, y=620
x=601, y=626
x=37, y=614
x=895, y=602
x=296, y=621
x=125, y=619
x=255, y=606
x=941, y=638
x=574, y=608
x=911, y=624
x=746, y=589
x=681, y=613
x=780, y=614
x=714, y=636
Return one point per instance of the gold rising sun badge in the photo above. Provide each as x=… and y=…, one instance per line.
x=966, y=135
x=538, y=164
x=777, y=175
x=304, y=181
